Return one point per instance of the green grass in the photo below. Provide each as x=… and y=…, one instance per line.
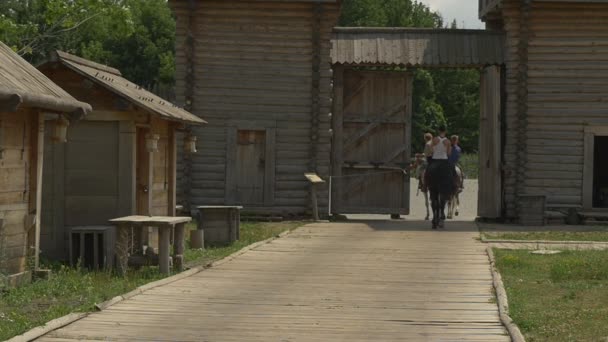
x=251, y=232
x=597, y=235
x=561, y=297
x=470, y=165
x=70, y=290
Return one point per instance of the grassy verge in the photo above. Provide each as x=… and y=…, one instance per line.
x=598, y=235
x=562, y=297
x=70, y=290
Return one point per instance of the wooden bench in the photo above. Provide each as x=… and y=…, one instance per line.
x=165, y=225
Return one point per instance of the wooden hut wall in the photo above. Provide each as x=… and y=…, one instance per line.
x=161, y=183
x=558, y=92
x=18, y=141
x=252, y=64
x=89, y=179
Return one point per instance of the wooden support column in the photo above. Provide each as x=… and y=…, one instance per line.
x=164, y=234
x=39, y=168
x=316, y=83
x=190, y=83
x=522, y=100
x=490, y=177
x=178, y=247
x=337, y=138
x=127, y=155
x=172, y=171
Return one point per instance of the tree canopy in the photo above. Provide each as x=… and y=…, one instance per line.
x=440, y=96
x=135, y=36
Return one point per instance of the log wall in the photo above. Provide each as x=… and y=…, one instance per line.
x=17, y=188
x=253, y=67
x=556, y=85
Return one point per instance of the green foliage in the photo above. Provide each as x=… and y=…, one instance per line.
x=470, y=165
x=559, y=297
x=457, y=92
x=135, y=36
x=69, y=290
x=388, y=13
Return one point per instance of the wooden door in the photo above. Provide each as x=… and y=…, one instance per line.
x=250, y=166
x=143, y=176
x=91, y=173
x=371, y=150
x=490, y=176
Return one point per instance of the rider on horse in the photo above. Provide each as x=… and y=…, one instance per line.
x=440, y=176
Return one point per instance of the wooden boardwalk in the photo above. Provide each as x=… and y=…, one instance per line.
x=356, y=281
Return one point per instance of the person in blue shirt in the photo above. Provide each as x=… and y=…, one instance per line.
x=456, y=151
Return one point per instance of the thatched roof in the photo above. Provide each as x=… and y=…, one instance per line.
x=22, y=84
x=416, y=47
x=112, y=80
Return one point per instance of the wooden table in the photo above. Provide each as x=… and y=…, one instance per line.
x=221, y=223
x=165, y=225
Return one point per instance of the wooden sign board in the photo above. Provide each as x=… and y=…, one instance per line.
x=313, y=178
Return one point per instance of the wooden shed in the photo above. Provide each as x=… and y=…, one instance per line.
x=556, y=109
x=109, y=167
x=27, y=97
x=260, y=72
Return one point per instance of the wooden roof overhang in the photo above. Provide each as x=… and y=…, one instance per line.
x=21, y=84
x=111, y=79
x=412, y=47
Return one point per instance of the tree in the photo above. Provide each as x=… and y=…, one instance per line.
x=135, y=36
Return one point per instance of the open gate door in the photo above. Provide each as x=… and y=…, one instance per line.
x=490, y=177
x=372, y=142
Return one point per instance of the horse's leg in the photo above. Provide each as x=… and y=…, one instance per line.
x=457, y=204
x=435, y=207
x=450, y=207
x=442, y=203
x=426, y=203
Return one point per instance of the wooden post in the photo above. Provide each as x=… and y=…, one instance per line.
x=178, y=247
x=163, y=249
x=122, y=248
x=172, y=171
x=314, y=180
x=315, y=208
x=39, y=164
x=337, y=139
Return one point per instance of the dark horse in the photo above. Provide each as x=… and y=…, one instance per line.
x=441, y=187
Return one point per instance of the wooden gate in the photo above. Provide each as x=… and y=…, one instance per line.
x=372, y=139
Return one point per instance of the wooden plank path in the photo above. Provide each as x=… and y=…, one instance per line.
x=356, y=281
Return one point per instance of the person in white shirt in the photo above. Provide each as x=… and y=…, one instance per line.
x=440, y=178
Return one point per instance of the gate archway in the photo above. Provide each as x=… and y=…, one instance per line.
x=372, y=112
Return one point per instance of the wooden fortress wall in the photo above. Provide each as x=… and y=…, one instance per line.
x=263, y=66
x=556, y=87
